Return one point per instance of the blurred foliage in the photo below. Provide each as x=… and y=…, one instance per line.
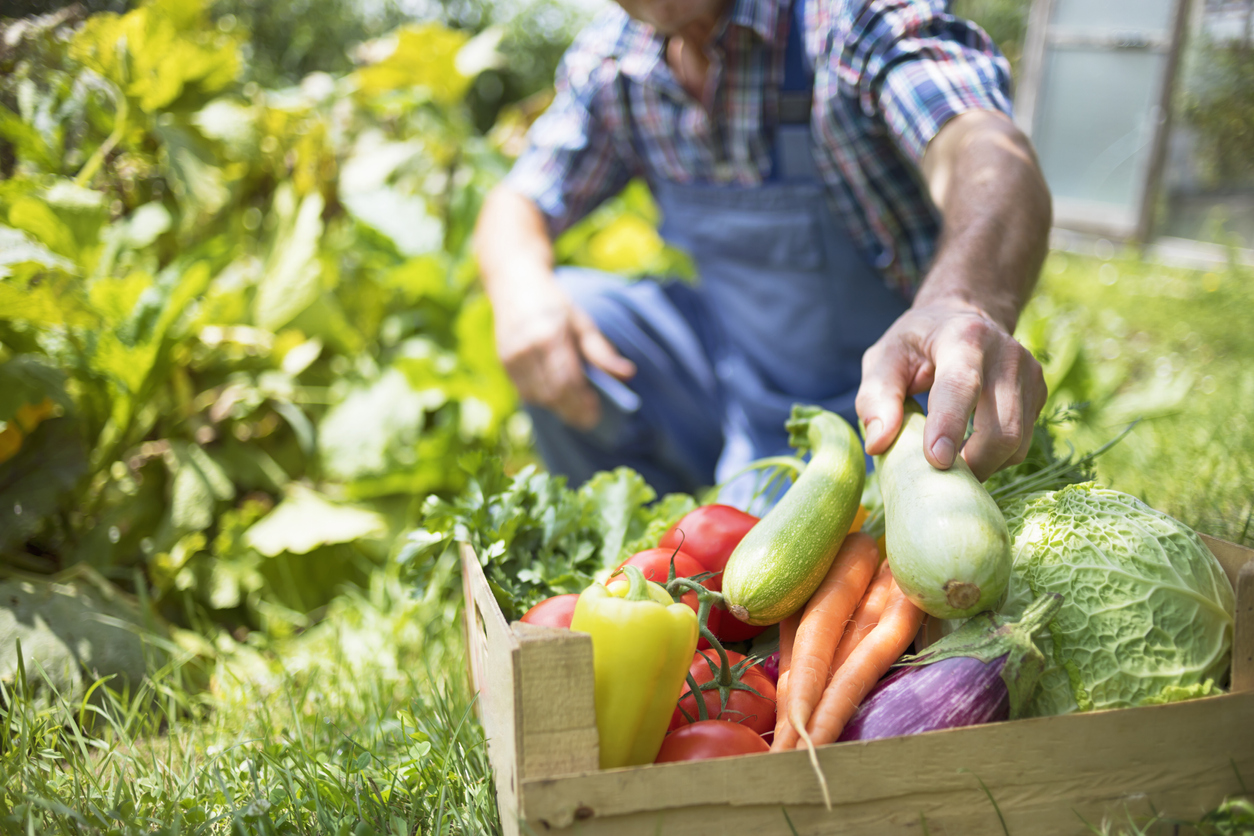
x=282, y=41
x=1006, y=22
x=1219, y=105
x=1124, y=340
x=239, y=329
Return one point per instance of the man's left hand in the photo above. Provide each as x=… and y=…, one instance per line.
x=970, y=363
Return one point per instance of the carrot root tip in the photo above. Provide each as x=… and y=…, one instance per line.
x=814, y=762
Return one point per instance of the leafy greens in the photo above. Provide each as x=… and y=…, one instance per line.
x=534, y=536
x=1147, y=615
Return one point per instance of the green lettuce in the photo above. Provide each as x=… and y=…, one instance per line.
x=1147, y=615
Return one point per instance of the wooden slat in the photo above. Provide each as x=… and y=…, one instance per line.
x=493, y=654
x=1029, y=811
x=1243, y=639
x=1180, y=755
x=556, y=709
x=1231, y=557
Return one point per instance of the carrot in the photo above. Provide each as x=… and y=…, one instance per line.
x=820, y=630
x=868, y=662
x=867, y=615
x=787, y=635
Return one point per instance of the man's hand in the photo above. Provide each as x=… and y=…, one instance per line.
x=543, y=340
x=541, y=337
x=956, y=339
x=970, y=363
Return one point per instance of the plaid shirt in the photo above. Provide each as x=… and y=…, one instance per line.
x=888, y=75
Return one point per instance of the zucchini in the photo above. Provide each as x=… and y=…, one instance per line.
x=946, y=539
x=783, y=559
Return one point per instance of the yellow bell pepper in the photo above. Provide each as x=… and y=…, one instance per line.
x=642, y=645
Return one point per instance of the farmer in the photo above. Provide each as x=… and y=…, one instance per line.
x=866, y=221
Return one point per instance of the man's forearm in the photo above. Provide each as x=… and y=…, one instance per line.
x=983, y=176
x=511, y=242
x=956, y=341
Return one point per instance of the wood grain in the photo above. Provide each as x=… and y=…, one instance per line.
x=556, y=707
x=1243, y=638
x=492, y=651
x=1079, y=760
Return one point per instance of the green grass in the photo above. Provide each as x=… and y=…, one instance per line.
x=363, y=723
x=1174, y=348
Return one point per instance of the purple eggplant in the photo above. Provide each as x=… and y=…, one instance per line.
x=983, y=672
x=770, y=667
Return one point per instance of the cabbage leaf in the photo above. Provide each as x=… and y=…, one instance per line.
x=1148, y=612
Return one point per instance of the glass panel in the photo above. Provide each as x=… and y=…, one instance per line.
x=1094, y=126
x=1139, y=15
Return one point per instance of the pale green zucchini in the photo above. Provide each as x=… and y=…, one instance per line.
x=946, y=539
x=784, y=558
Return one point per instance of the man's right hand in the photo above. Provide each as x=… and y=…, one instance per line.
x=544, y=340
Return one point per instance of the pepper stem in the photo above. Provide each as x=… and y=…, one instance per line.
x=639, y=589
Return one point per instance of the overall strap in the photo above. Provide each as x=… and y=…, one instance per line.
x=792, y=156
x=797, y=92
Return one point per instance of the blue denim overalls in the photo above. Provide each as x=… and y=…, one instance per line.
x=785, y=307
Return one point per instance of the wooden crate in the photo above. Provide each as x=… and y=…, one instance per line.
x=1048, y=775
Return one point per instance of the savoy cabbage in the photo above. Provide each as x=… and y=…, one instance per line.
x=1147, y=615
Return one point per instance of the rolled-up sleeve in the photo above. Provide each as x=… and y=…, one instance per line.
x=915, y=66
x=572, y=160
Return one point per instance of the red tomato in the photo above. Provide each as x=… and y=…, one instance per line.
x=655, y=565
x=754, y=712
x=710, y=739
x=710, y=534
x=553, y=612
x=732, y=629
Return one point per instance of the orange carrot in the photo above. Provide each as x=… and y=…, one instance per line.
x=787, y=635
x=866, y=616
x=818, y=634
x=868, y=662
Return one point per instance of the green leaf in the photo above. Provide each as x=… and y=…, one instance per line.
x=306, y=520
x=188, y=163
x=617, y=497
x=376, y=428
x=231, y=123
x=115, y=299
x=132, y=351
x=78, y=627
x=29, y=379
x=405, y=219
x=45, y=299
x=420, y=278
x=145, y=225
x=33, y=483
x=485, y=382
x=37, y=218
x=17, y=248
x=426, y=57
x=154, y=55
x=290, y=282
x=199, y=483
